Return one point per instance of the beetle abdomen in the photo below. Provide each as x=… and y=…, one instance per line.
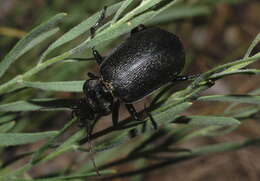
x=143, y=63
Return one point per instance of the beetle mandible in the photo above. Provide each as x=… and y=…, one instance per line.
x=145, y=61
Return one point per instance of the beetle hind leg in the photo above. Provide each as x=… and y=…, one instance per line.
x=154, y=124
x=186, y=77
x=131, y=109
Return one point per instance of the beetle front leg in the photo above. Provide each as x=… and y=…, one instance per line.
x=97, y=56
x=115, y=112
x=93, y=29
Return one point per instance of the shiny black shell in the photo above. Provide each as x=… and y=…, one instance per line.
x=142, y=63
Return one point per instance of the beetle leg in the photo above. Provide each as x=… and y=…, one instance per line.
x=115, y=110
x=186, y=77
x=97, y=56
x=155, y=126
x=93, y=29
x=130, y=108
x=139, y=28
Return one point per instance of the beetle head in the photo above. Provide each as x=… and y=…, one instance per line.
x=97, y=96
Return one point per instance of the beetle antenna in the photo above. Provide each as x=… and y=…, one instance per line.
x=90, y=148
x=76, y=111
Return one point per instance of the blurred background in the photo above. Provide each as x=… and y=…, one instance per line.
x=213, y=33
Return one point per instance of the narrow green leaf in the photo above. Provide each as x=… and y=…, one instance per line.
x=207, y=121
x=13, y=84
x=228, y=67
x=71, y=177
x=243, y=71
x=38, y=105
x=146, y=4
x=212, y=149
x=11, y=174
x=169, y=114
x=247, y=61
x=78, y=30
x=68, y=145
x=19, y=106
x=255, y=92
x=103, y=157
x=180, y=11
x=33, y=38
x=205, y=131
x=166, y=7
x=37, y=156
x=7, y=127
x=65, y=86
x=244, y=112
x=124, y=5
x=111, y=142
x=11, y=139
x=231, y=106
x=211, y=130
x=252, y=46
x=143, y=6
x=225, y=147
x=138, y=164
x=6, y=119
x=232, y=98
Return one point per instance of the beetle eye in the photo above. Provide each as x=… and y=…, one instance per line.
x=85, y=87
x=88, y=87
x=91, y=88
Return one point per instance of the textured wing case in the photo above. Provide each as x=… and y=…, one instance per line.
x=143, y=63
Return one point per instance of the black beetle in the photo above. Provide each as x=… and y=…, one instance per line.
x=148, y=59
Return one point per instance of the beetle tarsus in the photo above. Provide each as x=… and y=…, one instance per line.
x=210, y=82
x=131, y=109
x=154, y=124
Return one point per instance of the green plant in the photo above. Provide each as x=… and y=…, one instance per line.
x=166, y=108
